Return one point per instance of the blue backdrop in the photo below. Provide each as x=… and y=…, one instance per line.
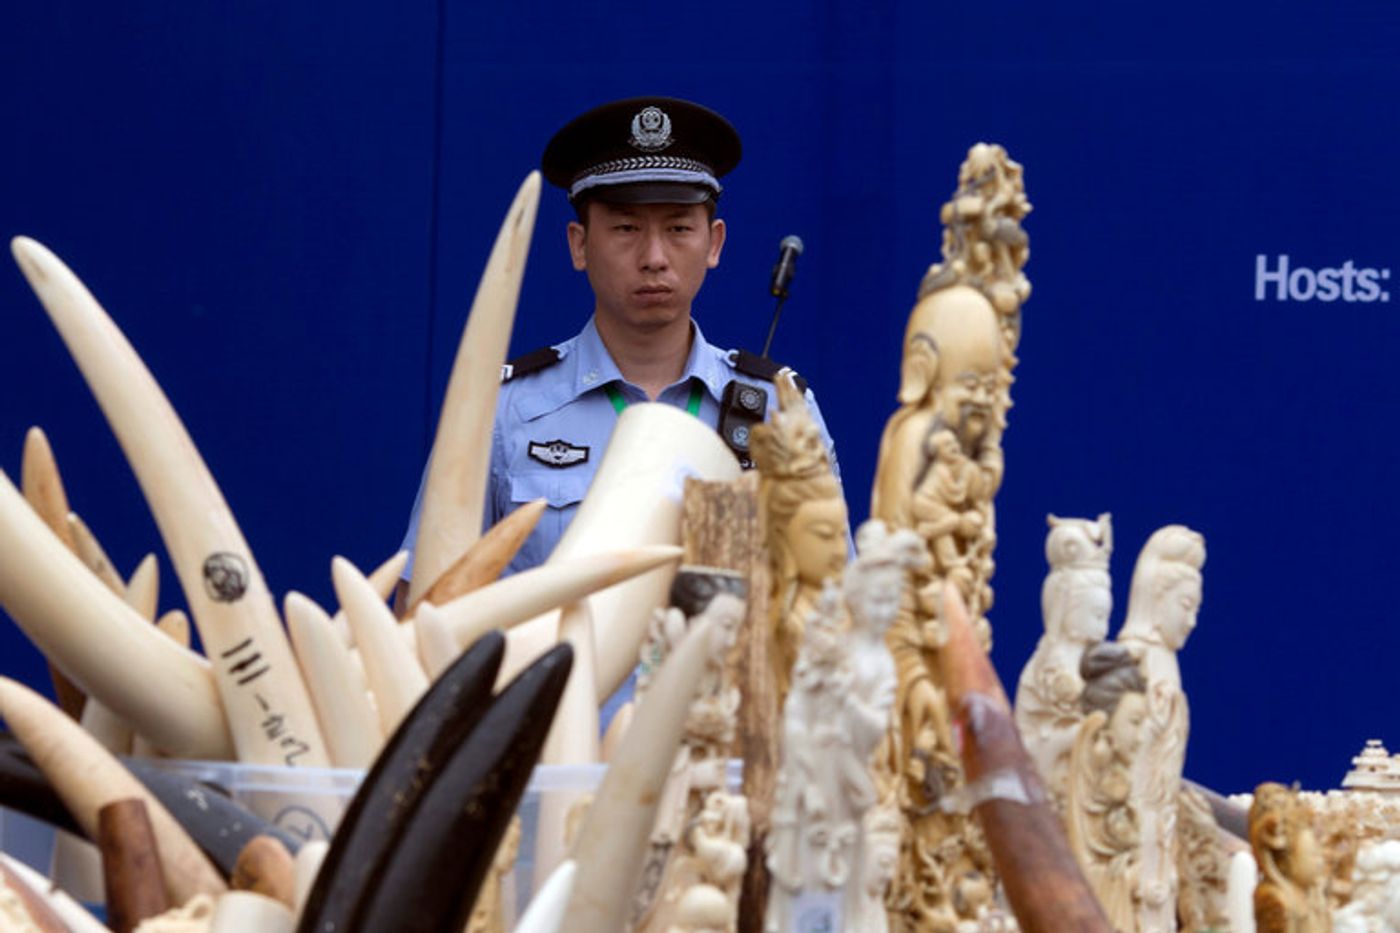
x=286, y=207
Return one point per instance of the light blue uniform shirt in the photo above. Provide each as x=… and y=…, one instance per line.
x=566, y=404
x=563, y=413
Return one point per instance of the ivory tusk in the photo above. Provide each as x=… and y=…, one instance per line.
x=449, y=520
x=265, y=867
x=617, y=730
x=635, y=500
x=90, y=552
x=573, y=739
x=308, y=865
x=549, y=906
x=613, y=840
x=87, y=777
x=348, y=721
x=484, y=560
x=175, y=625
x=241, y=911
x=43, y=486
x=100, y=722
x=43, y=489
x=254, y=670
x=437, y=645
x=385, y=578
x=102, y=643
x=390, y=792
x=395, y=677
x=142, y=594
x=73, y=914
x=543, y=589
x=143, y=589
x=26, y=908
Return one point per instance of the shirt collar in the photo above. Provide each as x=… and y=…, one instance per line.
x=595, y=367
x=586, y=365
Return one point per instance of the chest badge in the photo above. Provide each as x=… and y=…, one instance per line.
x=558, y=453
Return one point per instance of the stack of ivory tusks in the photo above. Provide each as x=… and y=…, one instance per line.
x=453, y=496
x=352, y=680
x=255, y=672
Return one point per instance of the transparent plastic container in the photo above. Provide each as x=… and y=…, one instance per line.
x=308, y=802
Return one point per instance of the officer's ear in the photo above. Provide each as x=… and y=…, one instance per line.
x=717, y=232
x=578, y=236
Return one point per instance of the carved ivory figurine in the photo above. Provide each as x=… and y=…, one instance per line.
x=1291, y=896
x=1375, y=902
x=1103, y=825
x=1075, y=601
x=940, y=466
x=804, y=518
x=1162, y=604
x=835, y=716
x=697, y=855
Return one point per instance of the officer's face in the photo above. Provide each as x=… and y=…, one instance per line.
x=645, y=262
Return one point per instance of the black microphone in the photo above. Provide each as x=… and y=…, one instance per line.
x=788, y=251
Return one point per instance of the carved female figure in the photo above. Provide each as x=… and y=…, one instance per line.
x=1291, y=896
x=1103, y=824
x=1162, y=604
x=836, y=715
x=1076, y=600
x=805, y=521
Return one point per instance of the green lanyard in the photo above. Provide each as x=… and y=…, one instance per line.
x=692, y=404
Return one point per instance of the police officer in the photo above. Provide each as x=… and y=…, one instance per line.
x=643, y=176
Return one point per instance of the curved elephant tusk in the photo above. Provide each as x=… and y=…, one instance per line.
x=90, y=552
x=73, y=914
x=612, y=842
x=338, y=689
x=484, y=560
x=549, y=906
x=385, y=579
x=102, y=643
x=635, y=500
x=143, y=589
x=241, y=911
x=449, y=520
x=573, y=739
x=254, y=668
x=395, y=677
x=87, y=777
x=521, y=598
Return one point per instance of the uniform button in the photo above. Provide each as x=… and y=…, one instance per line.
x=592, y=377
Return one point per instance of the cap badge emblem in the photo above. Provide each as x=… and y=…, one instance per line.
x=651, y=129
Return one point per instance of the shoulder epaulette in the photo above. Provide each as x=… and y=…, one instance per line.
x=761, y=367
x=531, y=362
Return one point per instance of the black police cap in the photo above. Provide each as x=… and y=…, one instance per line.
x=643, y=150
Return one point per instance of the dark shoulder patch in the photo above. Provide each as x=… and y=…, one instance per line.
x=531, y=362
x=760, y=367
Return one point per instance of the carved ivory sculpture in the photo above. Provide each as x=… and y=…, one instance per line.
x=805, y=521
x=698, y=846
x=1202, y=865
x=836, y=714
x=1162, y=604
x=940, y=465
x=1075, y=600
x=1375, y=902
x=1099, y=811
x=1291, y=895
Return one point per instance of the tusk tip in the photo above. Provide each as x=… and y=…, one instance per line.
x=29, y=256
